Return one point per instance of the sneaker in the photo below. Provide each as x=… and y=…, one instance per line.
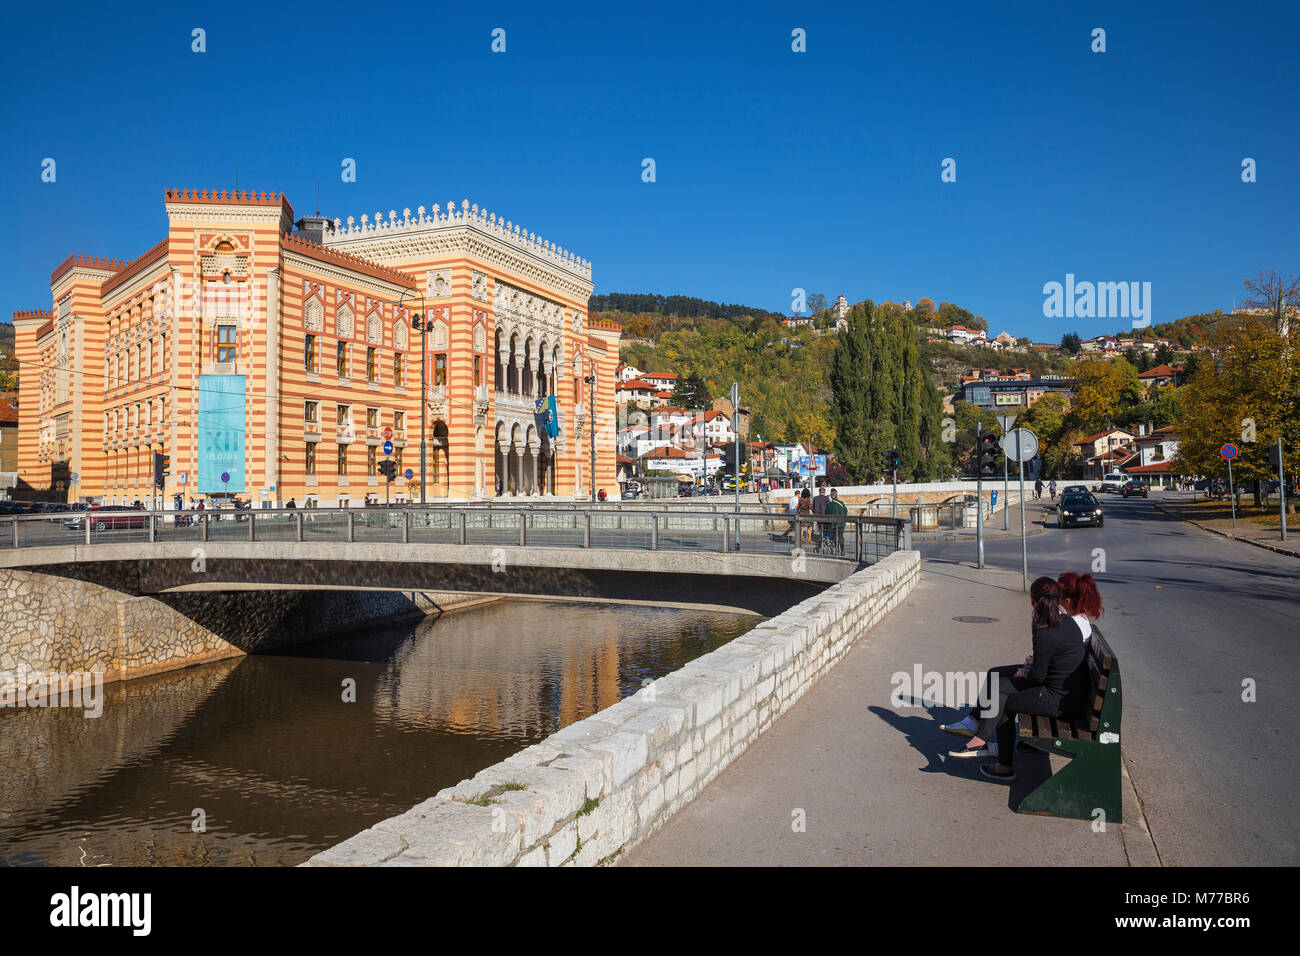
x=968, y=752
x=965, y=727
x=989, y=771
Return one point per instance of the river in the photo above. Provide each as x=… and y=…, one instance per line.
x=261, y=760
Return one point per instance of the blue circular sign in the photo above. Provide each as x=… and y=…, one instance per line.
x=388, y=448
x=225, y=477
x=1228, y=451
x=409, y=474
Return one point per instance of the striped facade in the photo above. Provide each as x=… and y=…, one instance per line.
x=280, y=359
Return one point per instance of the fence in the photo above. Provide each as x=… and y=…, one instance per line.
x=860, y=538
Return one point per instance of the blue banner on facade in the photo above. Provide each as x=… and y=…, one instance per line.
x=221, y=433
x=548, y=417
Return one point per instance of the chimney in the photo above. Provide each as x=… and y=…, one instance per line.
x=314, y=228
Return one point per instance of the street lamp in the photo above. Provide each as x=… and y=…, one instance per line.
x=421, y=324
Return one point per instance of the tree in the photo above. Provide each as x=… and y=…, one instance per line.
x=1248, y=396
x=816, y=303
x=1276, y=296
x=1071, y=342
x=692, y=392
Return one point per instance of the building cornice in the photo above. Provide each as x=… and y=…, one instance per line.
x=389, y=289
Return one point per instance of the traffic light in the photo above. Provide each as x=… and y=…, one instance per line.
x=388, y=468
x=989, y=452
x=162, y=466
x=891, y=461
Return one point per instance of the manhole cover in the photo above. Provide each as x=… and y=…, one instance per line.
x=974, y=619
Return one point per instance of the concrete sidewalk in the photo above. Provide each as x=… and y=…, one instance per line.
x=872, y=781
x=1038, y=513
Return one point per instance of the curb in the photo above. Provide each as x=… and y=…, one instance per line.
x=1224, y=534
x=1031, y=528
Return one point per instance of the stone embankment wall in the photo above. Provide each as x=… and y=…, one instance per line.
x=62, y=625
x=598, y=787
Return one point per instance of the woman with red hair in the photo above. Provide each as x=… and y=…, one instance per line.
x=1079, y=597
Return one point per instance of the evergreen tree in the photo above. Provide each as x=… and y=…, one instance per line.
x=692, y=392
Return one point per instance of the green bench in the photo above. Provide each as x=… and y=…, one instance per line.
x=1091, y=779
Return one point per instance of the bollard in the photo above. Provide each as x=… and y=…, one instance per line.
x=406, y=527
x=523, y=528
x=85, y=521
x=351, y=530
x=462, y=528
x=907, y=534
x=205, y=526
x=252, y=524
x=654, y=532
x=153, y=529
x=297, y=526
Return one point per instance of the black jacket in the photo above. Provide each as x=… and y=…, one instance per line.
x=1060, y=664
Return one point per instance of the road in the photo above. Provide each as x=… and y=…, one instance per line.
x=1192, y=616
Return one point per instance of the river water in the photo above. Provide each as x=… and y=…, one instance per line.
x=261, y=761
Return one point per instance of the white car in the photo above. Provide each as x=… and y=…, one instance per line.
x=1113, y=482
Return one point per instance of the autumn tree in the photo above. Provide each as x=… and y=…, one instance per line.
x=1248, y=395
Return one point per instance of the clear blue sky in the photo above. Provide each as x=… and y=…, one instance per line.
x=775, y=170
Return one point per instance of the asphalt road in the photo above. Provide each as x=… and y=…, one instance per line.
x=1192, y=616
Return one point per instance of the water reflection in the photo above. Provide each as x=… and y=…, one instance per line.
x=267, y=753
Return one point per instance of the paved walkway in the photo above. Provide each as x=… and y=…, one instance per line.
x=1181, y=505
x=874, y=781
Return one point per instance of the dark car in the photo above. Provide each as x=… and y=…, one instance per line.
x=1135, y=486
x=1076, y=509
x=110, y=518
x=1074, y=489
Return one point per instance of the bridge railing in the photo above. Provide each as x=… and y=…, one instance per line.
x=853, y=537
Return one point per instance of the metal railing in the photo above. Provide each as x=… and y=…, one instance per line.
x=860, y=538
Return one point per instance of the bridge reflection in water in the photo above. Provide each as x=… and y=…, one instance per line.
x=281, y=767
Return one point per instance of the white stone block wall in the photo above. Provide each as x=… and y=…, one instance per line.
x=593, y=790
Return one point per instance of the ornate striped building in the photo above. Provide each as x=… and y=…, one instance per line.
x=268, y=360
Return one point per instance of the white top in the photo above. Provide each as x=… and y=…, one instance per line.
x=1085, y=625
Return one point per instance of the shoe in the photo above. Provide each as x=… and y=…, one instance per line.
x=957, y=730
x=988, y=771
x=969, y=752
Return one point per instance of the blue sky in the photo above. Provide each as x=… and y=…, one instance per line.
x=775, y=169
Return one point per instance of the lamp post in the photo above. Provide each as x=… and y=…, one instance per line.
x=421, y=325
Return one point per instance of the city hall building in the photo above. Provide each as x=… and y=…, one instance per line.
x=273, y=360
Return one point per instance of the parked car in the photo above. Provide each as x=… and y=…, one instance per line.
x=1076, y=509
x=1135, y=486
x=1113, y=482
x=109, y=518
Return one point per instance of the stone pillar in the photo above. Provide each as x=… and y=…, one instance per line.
x=501, y=466
x=519, y=469
x=534, y=472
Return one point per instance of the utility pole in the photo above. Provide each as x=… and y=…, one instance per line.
x=735, y=424
x=1281, y=488
x=1024, y=539
x=979, y=495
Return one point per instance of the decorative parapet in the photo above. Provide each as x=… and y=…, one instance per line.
x=27, y=315
x=468, y=214
x=87, y=262
x=244, y=198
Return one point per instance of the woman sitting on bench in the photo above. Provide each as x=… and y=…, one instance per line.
x=1049, y=685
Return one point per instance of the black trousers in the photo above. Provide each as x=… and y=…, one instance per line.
x=1009, y=695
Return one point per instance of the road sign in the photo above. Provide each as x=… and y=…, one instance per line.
x=225, y=477
x=182, y=477
x=1020, y=444
x=388, y=448
x=1006, y=420
x=1228, y=451
x=410, y=474
x=388, y=432
x=735, y=395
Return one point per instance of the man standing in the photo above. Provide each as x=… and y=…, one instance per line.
x=819, y=508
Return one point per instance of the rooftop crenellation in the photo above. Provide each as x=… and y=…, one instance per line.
x=467, y=214
x=226, y=196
